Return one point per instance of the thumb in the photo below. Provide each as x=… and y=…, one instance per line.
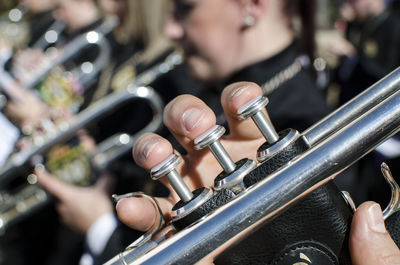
x=370, y=243
x=53, y=185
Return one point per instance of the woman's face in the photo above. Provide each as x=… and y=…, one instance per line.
x=209, y=33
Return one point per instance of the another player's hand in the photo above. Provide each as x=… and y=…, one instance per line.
x=79, y=207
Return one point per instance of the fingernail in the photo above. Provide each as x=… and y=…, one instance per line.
x=192, y=117
x=375, y=219
x=238, y=91
x=149, y=147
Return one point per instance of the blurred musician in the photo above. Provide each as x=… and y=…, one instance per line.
x=26, y=108
x=104, y=235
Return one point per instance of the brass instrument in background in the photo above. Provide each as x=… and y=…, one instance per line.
x=335, y=143
x=14, y=206
x=15, y=31
x=83, y=74
x=88, y=70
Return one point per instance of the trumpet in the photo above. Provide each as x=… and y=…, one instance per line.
x=85, y=73
x=333, y=144
x=16, y=206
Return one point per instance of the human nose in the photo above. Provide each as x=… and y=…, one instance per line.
x=173, y=29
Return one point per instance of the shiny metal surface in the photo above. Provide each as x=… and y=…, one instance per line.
x=254, y=109
x=210, y=139
x=222, y=156
x=204, y=196
x=179, y=186
x=376, y=93
x=394, y=204
x=265, y=154
x=346, y=196
x=234, y=181
x=167, y=168
x=272, y=195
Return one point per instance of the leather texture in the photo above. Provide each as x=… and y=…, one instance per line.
x=305, y=253
x=393, y=227
x=322, y=219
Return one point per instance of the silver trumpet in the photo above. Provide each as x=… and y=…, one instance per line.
x=15, y=206
x=336, y=142
x=84, y=73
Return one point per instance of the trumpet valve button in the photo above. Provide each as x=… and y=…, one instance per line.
x=209, y=137
x=167, y=168
x=254, y=109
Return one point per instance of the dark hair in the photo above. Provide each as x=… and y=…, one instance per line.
x=305, y=11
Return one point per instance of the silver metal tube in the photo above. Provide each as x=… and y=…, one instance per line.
x=280, y=190
x=266, y=128
x=222, y=156
x=179, y=186
x=354, y=108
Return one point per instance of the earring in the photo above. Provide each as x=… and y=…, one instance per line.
x=248, y=21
